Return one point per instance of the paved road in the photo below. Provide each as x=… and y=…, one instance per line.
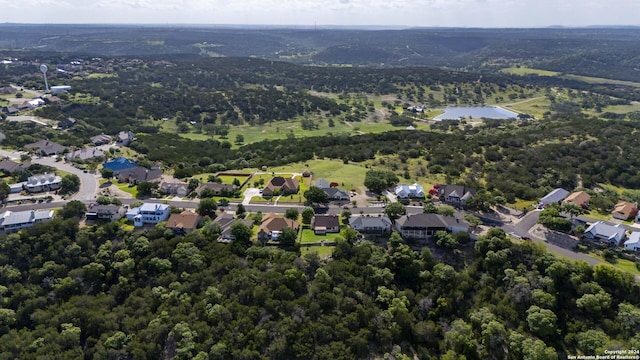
x=88, y=181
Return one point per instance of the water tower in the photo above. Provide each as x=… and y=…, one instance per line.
x=43, y=70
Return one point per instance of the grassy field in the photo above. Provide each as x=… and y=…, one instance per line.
x=529, y=71
x=101, y=76
x=588, y=79
x=347, y=175
x=308, y=236
x=323, y=251
x=279, y=130
x=534, y=106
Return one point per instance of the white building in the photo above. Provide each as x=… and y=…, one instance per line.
x=409, y=191
x=12, y=221
x=44, y=182
x=611, y=234
x=149, y=213
x=633, y=243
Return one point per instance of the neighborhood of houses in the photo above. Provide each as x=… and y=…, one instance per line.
x=611, y=233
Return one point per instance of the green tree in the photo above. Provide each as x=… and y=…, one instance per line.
x=287, y=237
x=5, y=190
x=592, y=341
x=241, y=232
x=446, y=210
x=73, y=209
x=395, y=210
x=291, y=214
x=542, y=322
x=307, y=215
x=379, y=180
x=315, y=195
x=146, y=188
x=445, y=240
x=207, y=207
x=473, y=220
x=70, y=184
x=241, y=211
x=106, y=173
x=430, y=208
x=239, y=139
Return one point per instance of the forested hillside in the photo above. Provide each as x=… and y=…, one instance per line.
x=101, y=292
x=603, y=52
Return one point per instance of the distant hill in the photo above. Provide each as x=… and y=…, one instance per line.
x=572, y=50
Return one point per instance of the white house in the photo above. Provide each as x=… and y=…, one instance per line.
x=44, y=182
x=409, y=191
x=149, y=213
x=13, y=221
x=633, y=242
x=611, y=234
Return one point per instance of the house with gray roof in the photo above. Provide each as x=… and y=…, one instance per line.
x=108, y=213
x=378, y=225
x=13, y=221
x=456, y=195
x=84, y=154
x=9, y=166
x=554, y=197
x=101, y=139
x=333, y=192
x=423, y=226
x=139, y=174
x=45, y=147
x=610, y=234
x=42, y=183
x=125, y=138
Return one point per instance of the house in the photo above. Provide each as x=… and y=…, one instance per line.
x=139, y=174
x=332, y=191
x=337, y=194
x=9, y=167
x=180, y=189
x=66, y=123
x=217, y=188
x=457, y=195
x=183, y=223
x=611, y=234
x=423, y=226
x=84, y=154
x=379, y=225
x=119, y=164
x=554, y=197
x=13, y=221
x=322, y=184
x=45, y=147
x=409, y=191
x=272, y=226
x=148, y=213
x=624, y=210
x=101, y=139
x=108, y=213
x=125, y=138
x=633, y=242
x=322, y=224
x=578, y=198
x=282, y=186
x=226, y=221
x=11, y=109
x=42, y=183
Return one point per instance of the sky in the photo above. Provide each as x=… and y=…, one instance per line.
x=427, y=13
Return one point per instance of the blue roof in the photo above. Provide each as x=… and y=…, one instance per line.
x=119, y=164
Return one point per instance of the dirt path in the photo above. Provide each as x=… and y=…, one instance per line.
x=521, y=102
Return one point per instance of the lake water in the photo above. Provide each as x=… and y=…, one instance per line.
x=476, y=112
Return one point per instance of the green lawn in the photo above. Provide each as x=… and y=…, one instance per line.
x=529, y=71
x=309, y=237
x=101, y=76
x=323, y=251
x=347, y=175
x=133, y=190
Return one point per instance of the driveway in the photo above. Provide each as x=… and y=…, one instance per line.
x=250, y=193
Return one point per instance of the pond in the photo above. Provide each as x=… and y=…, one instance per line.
x=476, y=112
